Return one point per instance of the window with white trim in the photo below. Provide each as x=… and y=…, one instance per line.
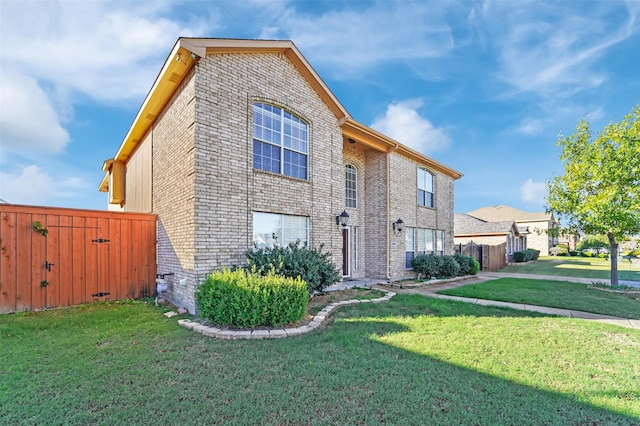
x=351, y=186
x=420, y=241
x=410, y=247
x=270, y=229
x=355, y=248
x=280, y=141
x=425, y=188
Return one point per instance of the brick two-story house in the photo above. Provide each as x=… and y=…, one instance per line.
x=240, y=141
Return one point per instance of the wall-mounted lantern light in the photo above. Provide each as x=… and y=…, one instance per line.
x=342, y=219
x=397, y=226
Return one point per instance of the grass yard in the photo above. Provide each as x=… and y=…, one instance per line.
x=581, y=267
x=555, y=294
x=414, y=360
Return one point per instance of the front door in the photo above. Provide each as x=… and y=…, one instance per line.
x=346, y=252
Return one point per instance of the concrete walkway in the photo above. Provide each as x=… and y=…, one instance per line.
x=431, y=289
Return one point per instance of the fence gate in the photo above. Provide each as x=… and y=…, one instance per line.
x=474, y=250
x=53, y=257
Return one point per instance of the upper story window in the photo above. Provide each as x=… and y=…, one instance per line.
x=425, y=188
x=351, y=186
x=280, y=141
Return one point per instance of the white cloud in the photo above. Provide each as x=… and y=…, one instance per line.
x=28, y=121
x=33, y=185
x=403, y=123
x=551, y=48
x=530, y=126
x=104, y=50
x=533, y=192
x=350, y=40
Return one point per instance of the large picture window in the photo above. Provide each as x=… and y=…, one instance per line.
x=351, y=186
x=425, y=189
x=419, y=241
x=270, y=229
x=280, y=141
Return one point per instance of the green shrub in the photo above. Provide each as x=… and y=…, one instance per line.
x=526, y=255
x=476, y=267
x=632, y=253
x=448, y=267
x=425, y=265
x=295, y=260
x=573, y=253
x=466, y=264
x=431, y=265
x=240, y=298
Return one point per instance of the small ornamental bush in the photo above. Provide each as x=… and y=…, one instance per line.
x=448, y=267
x=476, y=267
x=425, y=265
x=242, y=299
x=295, y=260
x=430, y=265
x=573, y=253
x=526, y=255
x=466, y=264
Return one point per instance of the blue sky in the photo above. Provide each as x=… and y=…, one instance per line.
x=484, y=87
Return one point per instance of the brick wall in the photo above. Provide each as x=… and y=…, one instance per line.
x=404, y=205
x=538, y=238
x=173, y=191
x=227, y=189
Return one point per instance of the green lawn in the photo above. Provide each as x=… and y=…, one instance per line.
x=555, y=294
x=581, y=267
x=414, y=360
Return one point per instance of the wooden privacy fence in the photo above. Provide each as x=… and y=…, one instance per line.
x=495, y=257
x=53, y=257
x=491, y=258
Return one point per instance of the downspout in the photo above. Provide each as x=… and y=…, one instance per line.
x=388, y=221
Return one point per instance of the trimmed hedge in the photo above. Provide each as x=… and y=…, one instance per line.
x=526, y=255
x=430, y=265
x=243, y=299
x=295, y=260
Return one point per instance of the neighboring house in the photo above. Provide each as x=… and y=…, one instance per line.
x=469, y=229
x=538, y=224
x=240, y=141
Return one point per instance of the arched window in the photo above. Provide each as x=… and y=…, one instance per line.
x=425, y=188
x=351, y=186
x=280, y=141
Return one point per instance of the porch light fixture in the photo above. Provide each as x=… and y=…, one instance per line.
x=397, y=226
x=342, y=219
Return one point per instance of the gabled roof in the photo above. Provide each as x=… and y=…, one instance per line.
x=464, y=225
x=500, y=213
x=186, y=53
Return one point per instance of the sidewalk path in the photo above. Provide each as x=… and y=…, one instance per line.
x=430, y=290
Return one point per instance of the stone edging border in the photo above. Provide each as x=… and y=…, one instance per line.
x=277, y=333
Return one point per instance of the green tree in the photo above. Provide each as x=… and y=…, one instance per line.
x=599, y=192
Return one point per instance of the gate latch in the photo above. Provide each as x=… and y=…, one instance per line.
x=100, y=240
x=48, y=265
